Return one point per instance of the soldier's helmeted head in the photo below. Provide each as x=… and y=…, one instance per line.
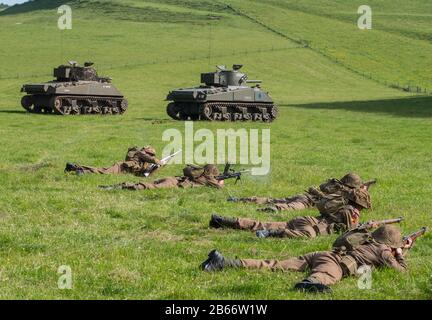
x=211, y=170
x=352, y=180
x=360, y=198
x=388, y=235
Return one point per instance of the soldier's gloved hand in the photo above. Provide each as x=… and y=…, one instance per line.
x=233, y=199
x=263, y=234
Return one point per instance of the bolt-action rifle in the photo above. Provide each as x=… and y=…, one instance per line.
x=153, y=167
x=378, y=223
x=414, y=236
x=369, y=183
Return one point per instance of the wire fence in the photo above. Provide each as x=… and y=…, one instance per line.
x=307, y=44
x=179, y=59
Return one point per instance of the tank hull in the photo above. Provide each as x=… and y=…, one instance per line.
x=221, y=104
x=73, y=98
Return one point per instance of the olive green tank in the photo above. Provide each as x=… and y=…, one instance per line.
x=75, y=91
x=223, y=96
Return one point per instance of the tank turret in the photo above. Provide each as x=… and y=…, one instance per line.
x=75, y=90
x=223, y=95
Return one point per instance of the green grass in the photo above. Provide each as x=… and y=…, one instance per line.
x=148, y=245
x=396, y=50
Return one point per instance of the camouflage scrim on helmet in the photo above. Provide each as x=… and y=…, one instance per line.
x=150, y=150
x=360, y=197
x=193, y=172
x=388, y=235
x=211, y=170
x=352, y=180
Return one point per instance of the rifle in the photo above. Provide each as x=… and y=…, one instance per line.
x=375, y=224
x=153, y=167
x=413, y=236
x=229, y=173
x=369, y=183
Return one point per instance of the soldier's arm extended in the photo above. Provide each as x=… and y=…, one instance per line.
x=212, y=182
x=394, y=260
x=145, y=157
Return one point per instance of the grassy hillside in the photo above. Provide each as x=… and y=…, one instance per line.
x=396, y=51
x=149, y=244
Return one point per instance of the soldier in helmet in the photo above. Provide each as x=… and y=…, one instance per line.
x=193, y=176
x=384, y=249
x=136, y=162
x=311, y=196
x=337, y=214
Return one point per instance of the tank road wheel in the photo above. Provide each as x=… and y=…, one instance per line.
x=58, y=106
x=66, y=110
x=206, y=113
x=226, y=116
x=247, y=116
x=173, y=111
x=123, y=106
x=217, y=116
x=75, y=109
x=257, y=117
x=96, y=110
x=27, y=103
x=237, y=116
x=115, y=110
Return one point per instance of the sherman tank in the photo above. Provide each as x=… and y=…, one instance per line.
x=223, y=96
x=76, y=90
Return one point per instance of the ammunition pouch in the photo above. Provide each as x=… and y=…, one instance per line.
x=348, y=265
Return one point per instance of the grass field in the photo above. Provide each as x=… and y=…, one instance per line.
x=148, y=245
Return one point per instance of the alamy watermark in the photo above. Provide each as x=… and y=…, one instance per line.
x=365, y=280
x=365, y=20
x=247, y=147
x=64, y=22
x=64, y=282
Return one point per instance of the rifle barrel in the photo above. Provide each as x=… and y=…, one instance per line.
x=415, y=234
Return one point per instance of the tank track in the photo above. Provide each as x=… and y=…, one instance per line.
x=74, y=105
x=225, y=111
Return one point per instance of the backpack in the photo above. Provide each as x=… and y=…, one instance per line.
x=352, y=239
x=331, y=203
x=193, y=172
x=331, y=186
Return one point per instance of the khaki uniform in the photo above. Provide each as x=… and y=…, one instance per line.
x=302, y=201
x=306, y=226
x=136, y=162
x=174, y=182
x=329, y=267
